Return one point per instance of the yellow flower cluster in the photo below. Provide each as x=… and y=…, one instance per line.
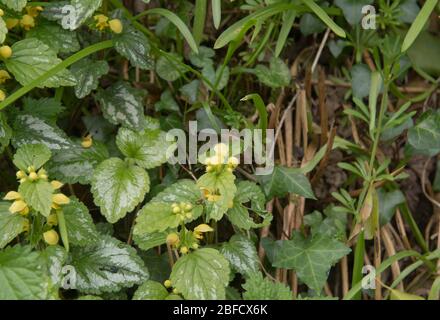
x=173, y=239
x=220, y=159
x=103, y=22
x=27, y=21
x=183, y=210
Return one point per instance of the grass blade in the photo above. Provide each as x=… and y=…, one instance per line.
x=325, y=18
x=289, y=18
x=216, y=12
x=199, y=20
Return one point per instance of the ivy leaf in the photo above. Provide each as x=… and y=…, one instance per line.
x=333, y=225
x=35, y=155
x=155, y=217
x=169, y=69
x=87, y=73
x=151, y=290
x=388, y=202
x=425, y=135
x=11, y=225
x=148, y=148
x=310, y=258
x=82, y=10
x=79, y=223
x=241, y=254
x=107, y=265
x=123, y=104
x=21, y=274
x=201, y=275
x=276, y=76
x=31, y=58
x=352, y=9
x=134, y=46
x=118, y=188
x=75, y=164
x=38, y=195
x=5, y=132
x=221, y=184
x=44, y=108
x=285, y=180
x=16, y=5
x=55, y=37
x=31, y=130
x=259, y=288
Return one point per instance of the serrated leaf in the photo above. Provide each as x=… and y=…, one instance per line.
x=149, y=148
x=5, y=132
x=201, y=275
x=3, y=30
x=87, y=73
x=168, y=69
x=285, y=180
x=11, y=225
x=259, y=288
x=82, y=10
x=55, y=37
x=35, y=155
x=151, y=290
x=21, y=274
x=74, y=165
x=54, y=258
x=183, y=190
x=276, y=76
x=107, y=265
x=32, y=130
x=118, y=188
x=134, y=46
x=241, y=254
x=221, y=184
x=16, y=5
x=123, y=104
x=31, y=58
x=38, y=195
x=310, y=258
x=44, y=108
x=79, y=223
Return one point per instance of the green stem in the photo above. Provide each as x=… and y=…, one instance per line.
x=414, y=227
x=59, y=67
x=383, y=108
x=358, y=263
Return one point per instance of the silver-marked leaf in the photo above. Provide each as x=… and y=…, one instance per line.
x=87, y=73
x=55, y=258
x=16, y=5
x=81, y=11
x=151, y=290
x=135, y=46
x=38, y=195
x=201, y=275
x=11, y=225
x=123, y=104
x=107, y=265
x=31, y=58
x=241, y=254
x=55, y=37
x=44, y=108
x=79, y=223
x=118, y=188
x=35, y=155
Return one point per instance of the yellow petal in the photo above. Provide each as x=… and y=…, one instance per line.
x=60, y=199
x=56, y=184
x=203, y=228
x=17, y=206
x=12, y=195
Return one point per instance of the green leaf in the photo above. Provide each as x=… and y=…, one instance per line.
x=31, y=58
x=352, y=9
x=21, y=274
x=5, y=132
x=214, y=76
x=3, y=30
x=44, y=108
x=259, y=288
x=310, y=258
x=241, y=254
x=11, y=225
x=183, y=190
x=201, y=275
x=310, y=24
x=325, y=18
x=424, y=51
x=55, y=37
x=167, y=103
x=168, y=69
x=276, y=76
x=118, y=188
x=151, y=290
x=288, y=19
x=146, y=241
x=135, y=46
x=285, y=180
x=388, y=202
x=35, y=155
x=87, y=73
x=148, y=148
x=333, y=225
x=79, y=223
x=54, y=258
x=155, y=217
x=82, y=10
x=75, y=164
x=16, y=5
x=425, y=135
x=108, y=265
x=221, y=184
x=418, y=24
x=30, y=129
x=360, y=80
x=123, y=104
x=203, y=57
x=38, y=195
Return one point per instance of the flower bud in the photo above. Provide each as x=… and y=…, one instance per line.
x=173, y=239
x=184, y=250
x=33, y=176
x=51, y=237
x=115, y=25
x=167, y=283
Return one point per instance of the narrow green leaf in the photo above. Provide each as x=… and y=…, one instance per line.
x=324, y=17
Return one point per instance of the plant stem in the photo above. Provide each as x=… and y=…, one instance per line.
x=358, y=263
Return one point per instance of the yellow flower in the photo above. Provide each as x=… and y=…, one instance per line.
x=33, y=11
x=21, y=174
x=42, y=174
x=87, y=141
x=233, y=162
x=33, y=176
x=51, y=237
x=115, y=25
x=11, y=23
x=5, y=52
x=101, y=21
x=210, y=196
x=18, y=206
x=200, y=229
x=59, y=199
x=26, y=225
x=221, y=149
x=184, y=250
x=2, y=13
x=56, y=184
x=27, y=22
x=4, y=75
x=12, y=195
x=167, y=283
